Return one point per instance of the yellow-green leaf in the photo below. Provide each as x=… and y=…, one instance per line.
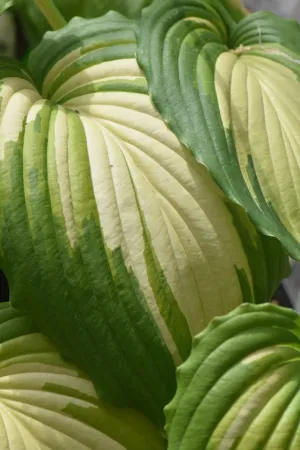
x=117, y=241
x=46, y=403
x=229, y=88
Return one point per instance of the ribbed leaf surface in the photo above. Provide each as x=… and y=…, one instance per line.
x=46, y=403
x=112, y=235
x=240, y=387
x=229, y=89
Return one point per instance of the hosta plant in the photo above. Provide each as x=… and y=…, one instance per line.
x=229, y=88
x=34, y=24
x=240, y=387
x=138, y=201
x=46, y=403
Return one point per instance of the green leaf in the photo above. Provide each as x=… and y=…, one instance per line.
x=47, y=403
x=230, y=92
x=35, y=25
x=5, y=4
x=239, y=389
x=109, y=219
x=236, y=9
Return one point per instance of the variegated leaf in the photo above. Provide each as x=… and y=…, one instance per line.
x=46, y=403
x=229, y=89
x=239, y=389
x=112, y=235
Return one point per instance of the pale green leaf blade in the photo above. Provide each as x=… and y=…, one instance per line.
x=239, y=389
x=230, y=92
x=46, y=403
x=109, y=219
x=5, y=4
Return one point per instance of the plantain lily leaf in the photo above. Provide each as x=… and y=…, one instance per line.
x=35, y=24
x=229, y=89
x=46, y=403
x=239, y=389
x=5, y=4
x=112, y=235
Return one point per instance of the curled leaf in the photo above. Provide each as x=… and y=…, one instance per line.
x=35, y=25
x=229, y=89
x=46, y=403
x=112, y=235
x=239, y=389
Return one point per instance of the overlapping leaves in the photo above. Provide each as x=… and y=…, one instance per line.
x=46, y=403
x=112, y=235
x=35, y=24
x=229, y=89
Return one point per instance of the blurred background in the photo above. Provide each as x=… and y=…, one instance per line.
x=285, y=8
x=17, y=36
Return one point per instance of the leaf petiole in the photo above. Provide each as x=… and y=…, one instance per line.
x=51, y=13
